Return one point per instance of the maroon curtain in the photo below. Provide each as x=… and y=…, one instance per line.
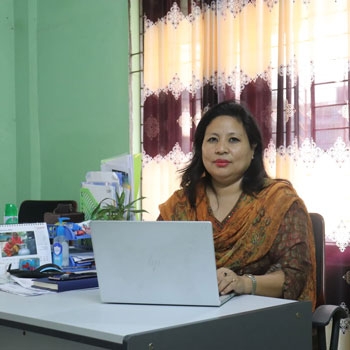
x=162, y=110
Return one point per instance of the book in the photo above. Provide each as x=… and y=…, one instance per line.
x=64, y=285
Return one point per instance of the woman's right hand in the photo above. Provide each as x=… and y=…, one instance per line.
x=229, y=281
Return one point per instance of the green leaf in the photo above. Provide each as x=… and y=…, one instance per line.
x=118, y=211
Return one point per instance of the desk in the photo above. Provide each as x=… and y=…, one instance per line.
x=78, y=320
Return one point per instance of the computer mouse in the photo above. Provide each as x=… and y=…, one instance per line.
x=49, y=269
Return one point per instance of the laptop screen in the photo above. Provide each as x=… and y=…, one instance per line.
x=155, y=262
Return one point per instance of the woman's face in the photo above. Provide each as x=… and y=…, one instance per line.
x=226, y=151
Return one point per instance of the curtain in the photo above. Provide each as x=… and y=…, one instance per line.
x=288, y=61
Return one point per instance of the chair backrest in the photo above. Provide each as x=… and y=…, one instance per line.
x=34, y=210
x=318, y=225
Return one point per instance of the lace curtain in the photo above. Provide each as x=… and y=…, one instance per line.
x=287, y=60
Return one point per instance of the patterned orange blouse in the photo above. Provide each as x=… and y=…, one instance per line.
x=263, y=233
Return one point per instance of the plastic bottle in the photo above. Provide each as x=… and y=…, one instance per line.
x=60, y=255
x=11, y=214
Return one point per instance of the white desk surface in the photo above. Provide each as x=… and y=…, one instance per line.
x=81, y=312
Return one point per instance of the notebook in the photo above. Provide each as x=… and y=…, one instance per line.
x=156, y=262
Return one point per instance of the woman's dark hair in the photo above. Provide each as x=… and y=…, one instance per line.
x=253, y=178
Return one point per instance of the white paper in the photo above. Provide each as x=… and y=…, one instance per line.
x=101, y=176
x=123, y=163
x=101, y=191
x=24, y=241
x=22, y=286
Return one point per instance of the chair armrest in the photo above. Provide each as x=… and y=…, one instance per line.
x=325, y=313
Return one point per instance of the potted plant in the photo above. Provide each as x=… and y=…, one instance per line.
x=118, y=210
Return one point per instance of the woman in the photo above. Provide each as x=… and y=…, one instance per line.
x=262, y=231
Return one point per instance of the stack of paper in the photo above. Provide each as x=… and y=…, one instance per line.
x=117, y=175
x=128, y=164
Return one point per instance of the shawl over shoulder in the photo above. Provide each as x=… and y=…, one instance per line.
x=249, y=231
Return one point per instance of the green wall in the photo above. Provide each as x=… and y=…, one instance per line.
x=7, y=107
x=64, y=84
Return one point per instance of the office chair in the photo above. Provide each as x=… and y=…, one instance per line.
x=33, y=210
x=324, y=313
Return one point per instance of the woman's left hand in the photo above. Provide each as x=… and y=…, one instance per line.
x=228, y=281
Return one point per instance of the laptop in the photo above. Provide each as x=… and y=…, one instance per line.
x=156, y=262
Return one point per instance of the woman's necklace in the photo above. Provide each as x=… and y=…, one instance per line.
x=222, y=206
